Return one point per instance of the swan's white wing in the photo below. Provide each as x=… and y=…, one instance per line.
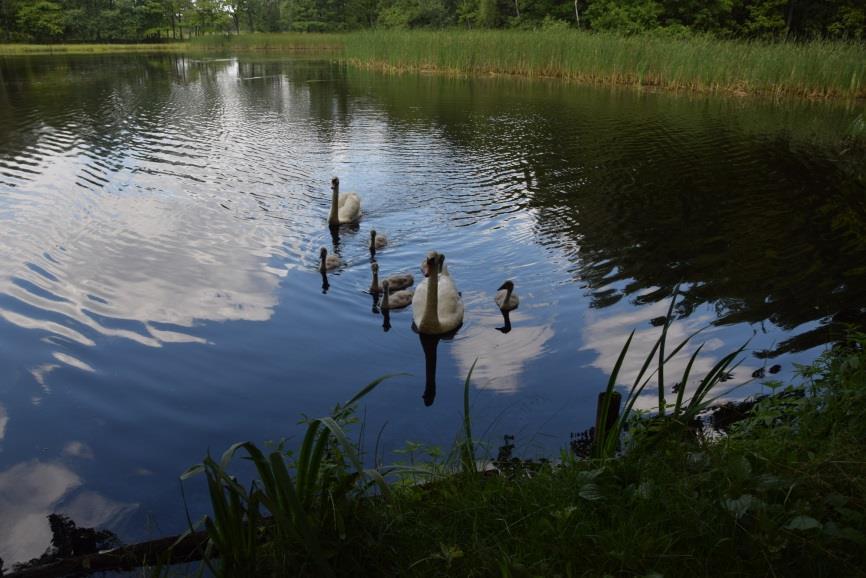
x=418, y=302
x=349, y=207
x=450, y=304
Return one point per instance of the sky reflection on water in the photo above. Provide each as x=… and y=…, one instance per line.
x=161, y=219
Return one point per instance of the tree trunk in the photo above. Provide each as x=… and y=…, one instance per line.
x=790, y=18
x=517, y=8
x=576, y=14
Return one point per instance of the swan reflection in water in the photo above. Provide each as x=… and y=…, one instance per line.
x=506, y=318
x=430, y=345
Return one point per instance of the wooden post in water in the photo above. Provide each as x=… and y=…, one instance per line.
x=604, y=423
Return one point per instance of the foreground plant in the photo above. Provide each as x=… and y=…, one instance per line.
x=684, y=411
x=263, y=529
x=783, y=493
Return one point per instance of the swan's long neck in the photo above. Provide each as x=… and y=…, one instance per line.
x=333, y=218
x=375, y=285
x=508, y=291
x=385, y=299
x=322, y=267
x=430, y=318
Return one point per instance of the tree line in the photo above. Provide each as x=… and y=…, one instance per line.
x=161, y=20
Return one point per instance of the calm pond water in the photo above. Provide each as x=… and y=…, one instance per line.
x=160, y=219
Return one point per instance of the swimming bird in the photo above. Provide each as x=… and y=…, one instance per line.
x=396, y=300
x=377, y=242
x=345, y=208
x=437, y=307
x=397, y=281
x=328, y=262
x=506, y=299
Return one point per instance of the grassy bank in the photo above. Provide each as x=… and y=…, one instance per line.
x=782, y=493
x=816, y=69
x=14, y=49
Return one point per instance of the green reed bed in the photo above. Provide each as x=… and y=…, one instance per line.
x=812, y=69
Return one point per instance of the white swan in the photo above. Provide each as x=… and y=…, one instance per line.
x=397, y=282
x=345, y=208
x=328, y=262
x=506, y=299
x=377, y=241
x=436, y=306
x=396, y=300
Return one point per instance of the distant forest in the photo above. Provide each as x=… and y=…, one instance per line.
x=165, y=20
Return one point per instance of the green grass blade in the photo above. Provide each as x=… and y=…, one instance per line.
x=661, y=367
x=369, y=387
x=468, y=450
x=302, y=466
x=685, y=380
x=602, y=443
x=713, y=377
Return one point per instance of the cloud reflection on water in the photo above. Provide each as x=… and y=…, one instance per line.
x=4, y=419
x=30, y=491
x=606, y=333
x=502, y=358
x=143, y=268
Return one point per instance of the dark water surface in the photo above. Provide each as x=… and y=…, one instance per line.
x=160, y=218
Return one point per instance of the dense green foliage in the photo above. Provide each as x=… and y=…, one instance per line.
x=154, y=20
x=782, y=493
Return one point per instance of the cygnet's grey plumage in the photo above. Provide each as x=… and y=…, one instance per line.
x=395, y=300
x=328, y=262
x=397, y=281
x=377, y=241
x=506, y=299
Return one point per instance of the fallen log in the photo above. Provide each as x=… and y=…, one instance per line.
x=164, y=551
